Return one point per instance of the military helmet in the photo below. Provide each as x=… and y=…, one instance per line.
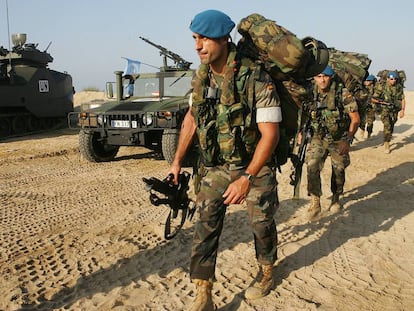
x=319, y=56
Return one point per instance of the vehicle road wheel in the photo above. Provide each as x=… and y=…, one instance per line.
x=94, y=150
x=19, y=124
x=34, y=124
x=5, y=127
x=169, y=144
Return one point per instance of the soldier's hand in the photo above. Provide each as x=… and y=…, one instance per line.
x=344, y=147
x=237, y=191
x=175, y=171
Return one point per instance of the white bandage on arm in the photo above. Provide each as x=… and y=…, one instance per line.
x=190, y=100
x=269, y=114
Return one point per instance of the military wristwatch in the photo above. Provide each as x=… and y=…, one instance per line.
x=249, y=177
x=349, y=140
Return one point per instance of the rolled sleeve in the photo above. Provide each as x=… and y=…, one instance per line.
x=268, y=107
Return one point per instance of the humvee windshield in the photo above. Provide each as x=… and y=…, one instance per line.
x=173, y=86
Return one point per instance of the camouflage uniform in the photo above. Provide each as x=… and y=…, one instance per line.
x=370, y=112
x=389, y=113
x=330, y=123
x=363, y=109
x=225, y=157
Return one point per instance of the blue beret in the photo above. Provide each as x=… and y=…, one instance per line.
x=392, y=74
x=370, y=78
x=328, y=71
x=212, y=24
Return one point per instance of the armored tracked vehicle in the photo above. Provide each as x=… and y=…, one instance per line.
x=151, y=116
x=32, y=96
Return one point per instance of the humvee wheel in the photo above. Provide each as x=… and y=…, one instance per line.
x=169, y=144
x=94, y=150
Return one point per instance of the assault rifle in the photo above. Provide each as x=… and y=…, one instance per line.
x=175, y=196
x=382, y=102
x=181, y=64
x=299, y=158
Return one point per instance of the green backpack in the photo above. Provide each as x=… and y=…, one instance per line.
x=290, y=61
x=352, y=69
x=382, y=75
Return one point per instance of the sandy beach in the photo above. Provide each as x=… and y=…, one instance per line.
x=76, y=235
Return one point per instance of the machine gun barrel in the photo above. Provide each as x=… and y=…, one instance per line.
x=178, y=60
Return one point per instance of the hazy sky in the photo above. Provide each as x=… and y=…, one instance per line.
x=90, y=37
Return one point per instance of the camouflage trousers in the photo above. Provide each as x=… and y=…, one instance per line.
x=316, y=155
x=261, y=203
x=389, y=118
x=362, y=110
x=370, y=119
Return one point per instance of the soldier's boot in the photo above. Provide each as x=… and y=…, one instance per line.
x=387, y=147
x=369, y=135
x=335, y=203
x=264, y=284
x=204, y=299
x=315, y=207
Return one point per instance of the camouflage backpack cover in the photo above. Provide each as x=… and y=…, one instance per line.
x=352, y=70
x=290, y=61
x=382, y=75
x=382, y=89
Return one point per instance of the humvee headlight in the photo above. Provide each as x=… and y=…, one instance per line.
x=147, y=119
x=165, y=115
x=100, y=119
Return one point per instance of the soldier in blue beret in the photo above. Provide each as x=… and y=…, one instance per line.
x=237, y=135
x=334, y=119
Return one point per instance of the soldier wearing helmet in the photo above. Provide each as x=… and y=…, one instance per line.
x=236, y=147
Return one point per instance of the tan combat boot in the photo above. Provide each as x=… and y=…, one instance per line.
x=335, y=203
x=386, y=147
x=203, y=300
x=264, y=284
x=315, y=207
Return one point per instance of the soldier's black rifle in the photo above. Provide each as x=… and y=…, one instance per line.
x=181, y=63
x=175, y=196
x=299, y=159
x=381, y=102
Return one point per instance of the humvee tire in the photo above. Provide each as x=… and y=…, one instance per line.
x=94, y=150
x=169, y=144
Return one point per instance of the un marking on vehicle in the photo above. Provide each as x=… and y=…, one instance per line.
x=43, y=86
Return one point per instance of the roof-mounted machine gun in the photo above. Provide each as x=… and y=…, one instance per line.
x=180, y=63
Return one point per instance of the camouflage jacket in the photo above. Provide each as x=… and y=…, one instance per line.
x=329, y=114
x=226, y=127
x=390, y=94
